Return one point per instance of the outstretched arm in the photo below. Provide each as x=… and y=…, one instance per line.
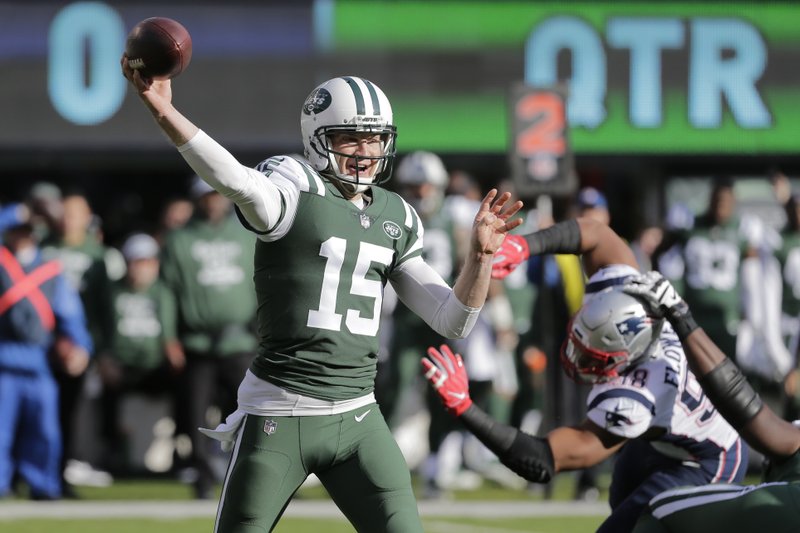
x=534, y=458
x=528, y=456
x=596, y=242
x=726, y=386
x=259, y=200
x=720, y=378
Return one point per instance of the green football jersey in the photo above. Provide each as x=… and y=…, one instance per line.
x=319, y=280
x=85, y=267
x=713, y=256
x=209, y=268
x=789, y=257
x=137, y=337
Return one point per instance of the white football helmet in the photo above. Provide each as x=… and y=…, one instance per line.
x=609, y=334
x=347, y=104
x=422, y=167
x=417, y=169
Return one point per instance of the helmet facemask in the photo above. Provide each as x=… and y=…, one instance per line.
x=323, y=145
x=354, y=106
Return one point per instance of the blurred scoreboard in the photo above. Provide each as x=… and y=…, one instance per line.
x=671, y=78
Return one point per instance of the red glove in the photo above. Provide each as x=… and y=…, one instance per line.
x=447, y=375
x=511, y=253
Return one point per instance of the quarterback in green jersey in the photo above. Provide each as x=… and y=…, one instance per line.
x=329, y=240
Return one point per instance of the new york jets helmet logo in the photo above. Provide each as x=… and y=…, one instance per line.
x=317, y=102
x=392, y=230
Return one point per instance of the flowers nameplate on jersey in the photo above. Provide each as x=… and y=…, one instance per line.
x=392, y=230
x=270, y=426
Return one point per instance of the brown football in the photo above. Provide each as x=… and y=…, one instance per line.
x=159, y=48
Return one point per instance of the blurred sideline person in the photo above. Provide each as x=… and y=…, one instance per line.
x=134, y=359
x=591, y=203
x=668, y=258
x=645, y=244
x=523, y=398
x=174, y=214
x=760, y=349
x=328, y=240
x=772, y=506
x=644, y=402
x=560, y=281
x=458, y=460
x=47, y=209
x=39, y=311
x=421, y=179
x=76, y=243
x=788, y=255
x=210, y=336
x=713, y=251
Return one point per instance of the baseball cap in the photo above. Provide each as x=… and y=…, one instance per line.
x=45, y=191
x=679, y=216
x=589, y=197
x=140, y=246
x=200, y=188
x=15, y=216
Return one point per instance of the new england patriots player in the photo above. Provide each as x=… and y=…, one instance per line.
x=645, y=403
x=773, y=505
x=328, y=242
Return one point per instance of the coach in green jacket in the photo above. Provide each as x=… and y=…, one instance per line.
x=209, y=267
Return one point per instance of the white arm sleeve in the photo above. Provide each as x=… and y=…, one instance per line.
x=424, y=291
x=258, y=199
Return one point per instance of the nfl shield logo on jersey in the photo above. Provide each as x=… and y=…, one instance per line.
x=270, y=426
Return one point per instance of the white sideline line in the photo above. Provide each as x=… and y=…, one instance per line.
x=298, y=508
x=452, y=527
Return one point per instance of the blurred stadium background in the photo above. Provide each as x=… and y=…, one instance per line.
x=646, y=101
x=659, y=93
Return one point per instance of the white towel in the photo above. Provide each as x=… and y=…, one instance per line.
x=228, y=431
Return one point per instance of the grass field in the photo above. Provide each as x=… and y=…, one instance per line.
x=166, y=492
x=565, y=524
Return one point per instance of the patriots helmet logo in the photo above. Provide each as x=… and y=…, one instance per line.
x=630, y=327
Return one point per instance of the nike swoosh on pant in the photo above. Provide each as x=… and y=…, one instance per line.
x=361, y=417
